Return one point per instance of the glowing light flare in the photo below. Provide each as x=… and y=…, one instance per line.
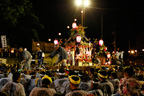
x=38, y=44
x=74, y=25
x=78, y=39
x=78, y=2
x=132, y=51
x=12, y=50
x=86, y=3
x=68, y=27
x=109, y=62
x=105, y=49
x=142, y=49
x=56, y=42
x=25, y=49
x=49, y=39
x=59, y=34
x=108, y=55
x=101, y=42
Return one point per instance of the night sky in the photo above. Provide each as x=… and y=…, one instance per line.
x=125, y=17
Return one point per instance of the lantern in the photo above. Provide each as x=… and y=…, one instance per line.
x=108, y=55
x=56, y=42
x=101, y=42
x=74, y=25
x=78, y=39
x=105, y=49
x=12, y=50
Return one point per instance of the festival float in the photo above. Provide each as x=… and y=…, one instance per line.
x=81, y=44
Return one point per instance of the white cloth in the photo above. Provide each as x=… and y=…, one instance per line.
x=14, y=89
x=58, y=84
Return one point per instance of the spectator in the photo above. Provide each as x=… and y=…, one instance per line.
x=59, y=82
x=1, y=73
x=31, y=83
x=4, y=80
x=129, y=86
x=66, y=85
x=95, y=90
x=120, y=72
x=14, y=88
x=115, y=81
x=74, y=85
x=84, y=84
x=45, y=89
x=105, y=85
x=39, y=80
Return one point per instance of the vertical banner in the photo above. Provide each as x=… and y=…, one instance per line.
x=4, y=41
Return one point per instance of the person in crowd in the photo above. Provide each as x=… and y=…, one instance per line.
x=74, y=85
x=105, y=85
x=39, y=80
x=137, y=72
x=14, y=88
x=39, y=56
x=91, y=73
x=66, y=85
x=84, y=84
x=94, y=88
x=120, y=72
x=31, y=83
x=1, y=73
x=5, y=79
x=115, y=81
x=72, y=57
x=63, y=56
x=26, y=74
x=53, y=75
x=45, y=89
x=59, y=82
x=27, y=57
x=129, y=86
x=11, y=71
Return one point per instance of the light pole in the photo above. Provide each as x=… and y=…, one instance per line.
x=83, y=4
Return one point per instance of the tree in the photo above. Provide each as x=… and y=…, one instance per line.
x=19, y=22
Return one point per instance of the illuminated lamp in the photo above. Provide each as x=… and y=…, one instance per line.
x=12, y=50
x=25, y=49
x=101, y=42
x=78, y=39
x=56, y=42
x=74, y=25
x=108, y=55
x=105, y=49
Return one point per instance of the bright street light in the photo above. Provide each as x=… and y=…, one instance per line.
x=49, y=39
x=83, y=3
x=59, y=34
x=86, y=3
x=68, y=27
x=78, y=2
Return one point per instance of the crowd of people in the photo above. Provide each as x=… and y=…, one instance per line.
x=104, y=81
x=24, y=80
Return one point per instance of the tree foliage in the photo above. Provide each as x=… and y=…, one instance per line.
x=19, y=22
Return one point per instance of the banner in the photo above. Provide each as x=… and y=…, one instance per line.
x=4, y=41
